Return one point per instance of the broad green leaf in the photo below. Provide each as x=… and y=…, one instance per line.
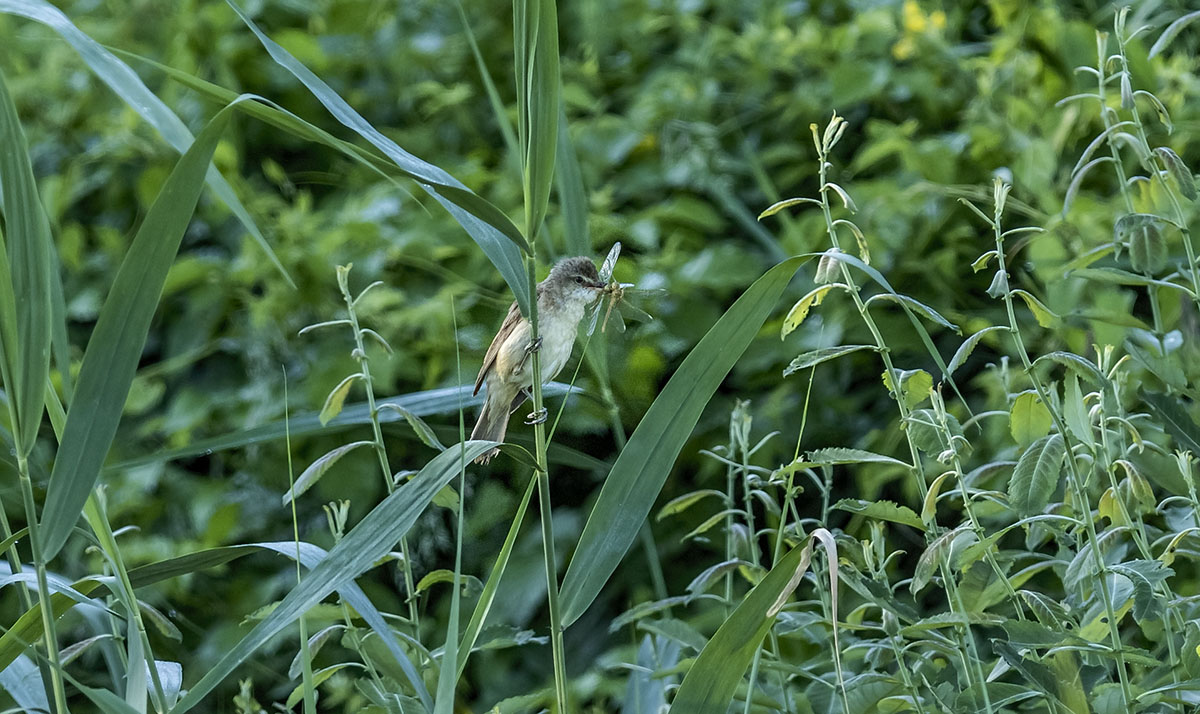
x=816, y=357
x=112, y=354
x=883, y=510
x=374, y=537
x=1029, y=419
x=1036, y=475
x=1044, y=315
x=710, y=684
x=23, y=682
x=915, y=386
x=317, y=469
x=642, y=468
x=129, y=87
x=1147, y=246
x=535, y=50
x=30, y=261
x=1179, y=171
x=486, y=224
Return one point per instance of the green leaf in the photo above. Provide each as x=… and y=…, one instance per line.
x=112, y=354
x=318, y=468
x=1080, y=365
x=1147, y=247
x=642, y=468
x=1036, y=475
x=786, y=203
x=1175, y=419
x=802, y=307
x=486, y=224
x=535, y=50
x=816, y=357
x=710, y=684
x=572, y=195
x=1172, y=31
x=916, y=306
x=129, y=87
x=915, y=386
x=1116, y=276
x=374, y=536
x=1044, y=315
x=837, y=455
x=682, y=503
x=883, y=510
x=968, y=346
x=422, y=430
x=1029, y=419
x=337, y=398
x=1179, y=171
x=26, y=276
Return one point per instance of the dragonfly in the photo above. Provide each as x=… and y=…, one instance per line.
x=614, y=296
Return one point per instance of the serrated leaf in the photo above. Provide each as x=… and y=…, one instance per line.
x=915, y=386
x=424, y=433
x=883, y=510
x=837, y=455
x=918, y=307
x=816, y=357
x=932, y=558
x=1036, y=475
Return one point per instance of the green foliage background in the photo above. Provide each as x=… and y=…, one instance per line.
x=688, y=119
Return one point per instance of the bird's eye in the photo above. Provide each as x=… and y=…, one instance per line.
x=579, y=280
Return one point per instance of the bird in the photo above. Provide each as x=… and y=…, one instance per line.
x=572, y=285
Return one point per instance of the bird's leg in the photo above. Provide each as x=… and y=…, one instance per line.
x=537, y=417
x=530, y=348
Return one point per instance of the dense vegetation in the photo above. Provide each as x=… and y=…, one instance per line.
x=962, y=481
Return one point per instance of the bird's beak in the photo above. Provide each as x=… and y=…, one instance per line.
x=598, y=286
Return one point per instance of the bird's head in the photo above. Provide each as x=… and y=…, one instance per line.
x=576, y=280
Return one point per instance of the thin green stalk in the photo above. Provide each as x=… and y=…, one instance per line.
x=360, y=354
x=310, y=697
x=35, y=546
x=1075, y=480
x=544, y=509
x=823, y=148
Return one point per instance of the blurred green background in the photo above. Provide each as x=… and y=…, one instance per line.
x=688, y=118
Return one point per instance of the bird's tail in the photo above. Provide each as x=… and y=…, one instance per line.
x=493, y=422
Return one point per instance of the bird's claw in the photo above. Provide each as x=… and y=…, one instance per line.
x=533, y=346
x=537, y=417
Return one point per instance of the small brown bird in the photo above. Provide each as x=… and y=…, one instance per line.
x=562, y=297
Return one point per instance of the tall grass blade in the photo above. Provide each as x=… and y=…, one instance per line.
x=572, y=195
x=112, y=355
x=642, y=468
x=535, y=46
x=710, y=684
x=30, y=260
x=129, y=87
x=486, y=224
x=357, y=552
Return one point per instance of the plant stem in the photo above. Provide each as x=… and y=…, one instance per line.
x=47, y=604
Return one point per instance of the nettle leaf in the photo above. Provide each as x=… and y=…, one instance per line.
x=883, y=510
x=1029, y=419
x=1179, y=171
x=1142, y=232
x=1036, y=476
x=800, y=310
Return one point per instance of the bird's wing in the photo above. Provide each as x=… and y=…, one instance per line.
x=511, y=320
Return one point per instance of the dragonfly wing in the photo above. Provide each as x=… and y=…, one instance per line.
x=635, y=313
x=595, y=316
x=606, y=269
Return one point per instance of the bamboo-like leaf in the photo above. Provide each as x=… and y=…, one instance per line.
x=713, y=679
x=487, y=225
x=129, y=87
x=642, y=468
x=373, y=537
x=337, y=398
x=112, y=354
x=23, y=682
x=535, y=50
x=572, y=194
x=786, y=203
x=29, y=260
x=1036, y=475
